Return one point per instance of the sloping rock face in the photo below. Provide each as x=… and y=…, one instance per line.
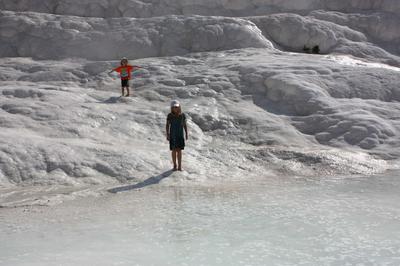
x=256, y=103
x=152, y=8
x=25, y=34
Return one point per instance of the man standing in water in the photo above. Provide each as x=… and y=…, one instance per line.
x=176, y=124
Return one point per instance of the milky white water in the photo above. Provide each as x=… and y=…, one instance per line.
x=277, y=221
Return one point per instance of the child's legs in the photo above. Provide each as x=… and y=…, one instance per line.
x=124, y=84
x=173, y=153
x=179, y=155
x=123, y=91
x=127, y=87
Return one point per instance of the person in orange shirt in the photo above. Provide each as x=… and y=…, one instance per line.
x=125, y=73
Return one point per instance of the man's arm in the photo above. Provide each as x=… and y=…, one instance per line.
x=167, y=128
x=185, y=128
x=135, y=68
x=186, y=131
x=114, y=69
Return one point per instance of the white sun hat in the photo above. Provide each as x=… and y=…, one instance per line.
x=175, y=103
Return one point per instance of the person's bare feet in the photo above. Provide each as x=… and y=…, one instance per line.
x=179, y=168
x=175, y=168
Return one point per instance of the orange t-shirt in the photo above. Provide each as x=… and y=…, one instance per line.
x=125, y=71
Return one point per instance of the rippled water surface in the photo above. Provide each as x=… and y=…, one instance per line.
x=278, y=221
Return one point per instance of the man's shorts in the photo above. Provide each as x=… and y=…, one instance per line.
x=124, y=83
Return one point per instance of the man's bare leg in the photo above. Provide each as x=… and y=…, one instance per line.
x=179, y=153
x=173, y=153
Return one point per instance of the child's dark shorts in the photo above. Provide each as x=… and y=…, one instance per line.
x=124, y=83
